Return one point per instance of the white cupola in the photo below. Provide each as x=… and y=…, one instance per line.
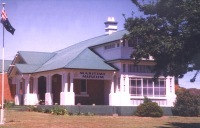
x=110, y=25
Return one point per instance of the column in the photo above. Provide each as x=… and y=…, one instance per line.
x=27, y=85
x=64, y=82
x=117, y=84
x=17, y=96
x=71, y=94
x=122, y=83
x=126, y=84
x=48, y=94
x=71, y=83
x=27, y=90
x=124, y=98
x=48, y=82
x=35, y=85
x=170, y=91
x=64, y=95
x=34, y=95
x=17, y=86
x=112, y=85
x=112, y=94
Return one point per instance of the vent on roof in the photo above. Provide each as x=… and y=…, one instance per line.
x=110, y=25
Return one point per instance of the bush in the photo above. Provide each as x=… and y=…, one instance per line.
x=32, y=108
x=59, y=110
x=187, y=104
x=149, y=109
x=8, y=104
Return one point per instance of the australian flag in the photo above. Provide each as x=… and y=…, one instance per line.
x=6, y=23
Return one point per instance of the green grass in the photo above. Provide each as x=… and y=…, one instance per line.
x=25, y=119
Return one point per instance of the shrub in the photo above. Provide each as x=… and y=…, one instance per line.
x=8, y=104
x=37, y=109
x=149, y=109
x=32, y=108
x=59, y=110
x=187, y=104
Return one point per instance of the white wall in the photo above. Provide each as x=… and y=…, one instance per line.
x=118, y=52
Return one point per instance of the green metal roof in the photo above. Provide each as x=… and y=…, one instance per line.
x=35, y=57
x=89, y=60
x=77, y=56
x=7, y=63
x=27, y=68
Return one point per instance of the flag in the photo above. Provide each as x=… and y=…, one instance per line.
x=6, y=23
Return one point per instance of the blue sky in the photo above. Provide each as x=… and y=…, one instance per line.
x=51, y=25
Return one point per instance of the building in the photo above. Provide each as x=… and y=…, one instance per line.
x=95, y=71
x=9, y=91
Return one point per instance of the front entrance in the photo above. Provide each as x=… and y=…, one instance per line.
x=42, y=89
x=22, y=90
x=56, y=88
x=88, y=92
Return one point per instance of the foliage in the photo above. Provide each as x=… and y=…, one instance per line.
x=37, y=109
x=82, y=114
x=179, y=89
x=149, y=109
x=187, y=103
x=59, y=110
x=8, y=104
x=56, y=110
x=170, y=33
x=146, y=100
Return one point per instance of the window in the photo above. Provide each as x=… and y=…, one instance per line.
x=124, y=67
x=136, y=87
x=83, y=87
x=160, y=88
x=147, y=87
x=109, y=46
x=131, y=43
x=139, y=68
x=134, y=42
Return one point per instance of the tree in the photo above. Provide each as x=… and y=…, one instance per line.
x=170, y=33
x=187, y=103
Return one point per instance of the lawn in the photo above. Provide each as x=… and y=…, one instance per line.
x=25, y=119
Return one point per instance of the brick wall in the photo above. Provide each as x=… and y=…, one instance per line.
x=95, y=92
x=9, y=90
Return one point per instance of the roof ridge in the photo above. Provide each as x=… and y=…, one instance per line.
x=80, y=42
x=35, y=51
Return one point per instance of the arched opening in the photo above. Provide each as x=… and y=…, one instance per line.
x=42, y=89
x=56, y=88
x=22, y=90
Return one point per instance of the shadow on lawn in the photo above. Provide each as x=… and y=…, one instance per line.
x=181, y=125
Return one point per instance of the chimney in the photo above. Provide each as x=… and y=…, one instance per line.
x=110, y=25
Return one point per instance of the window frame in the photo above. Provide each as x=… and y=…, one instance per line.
x=151, y=89
x=83, y=90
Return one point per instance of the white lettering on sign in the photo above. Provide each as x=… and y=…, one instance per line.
x=93, y=75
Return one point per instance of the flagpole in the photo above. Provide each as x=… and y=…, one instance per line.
x=2, y=100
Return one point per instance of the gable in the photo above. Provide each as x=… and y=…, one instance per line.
x=89, y=60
